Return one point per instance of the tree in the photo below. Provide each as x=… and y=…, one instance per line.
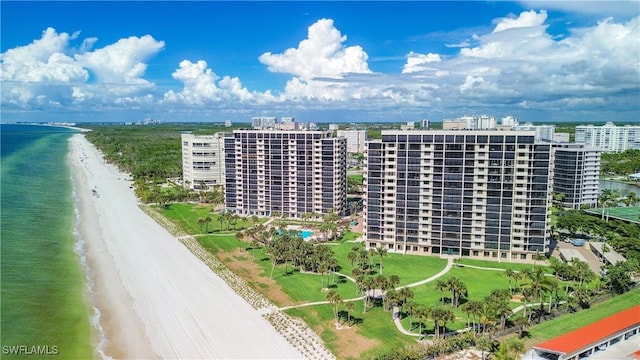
x=381, y=251
x=334, y=299
x=200, y=223
x=484, y=343
x=442, y=287
x=349, y=306
x=616, y=278
x=207, y=221
x=441, y=316
x=458, y=289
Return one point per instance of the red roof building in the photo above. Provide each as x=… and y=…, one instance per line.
x=594, y=337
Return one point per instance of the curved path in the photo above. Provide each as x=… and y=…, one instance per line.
x=421, y=282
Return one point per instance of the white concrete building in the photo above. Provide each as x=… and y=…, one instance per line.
x=543, y=132
x=290, y=172
x=576, y=174
x=355, y=140
x=471, y=122
x=263, y=122
x=480, y=194
x=509, y=121
x=202, y=161
x=424, y=124
x=609, y=137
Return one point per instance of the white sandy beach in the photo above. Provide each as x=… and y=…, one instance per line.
x=156, y=298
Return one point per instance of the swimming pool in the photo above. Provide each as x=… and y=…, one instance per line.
x=306, y=233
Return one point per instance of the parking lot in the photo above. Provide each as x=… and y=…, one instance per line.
x=592, y=260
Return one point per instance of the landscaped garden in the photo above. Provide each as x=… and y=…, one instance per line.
x=358, y=292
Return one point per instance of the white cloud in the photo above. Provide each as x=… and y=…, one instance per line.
x=44, y=60
x=526, y=19
x=121, y=63
x=622, y=8
x=201, y=86
x=322, y=54
x=50, y=72
x=416, y=62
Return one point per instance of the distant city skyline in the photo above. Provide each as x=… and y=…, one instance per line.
x=322, y=62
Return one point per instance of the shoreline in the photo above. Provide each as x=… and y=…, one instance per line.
x=156, y=298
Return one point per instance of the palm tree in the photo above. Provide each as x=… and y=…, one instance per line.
x=458, y=289
x=631, y=199
x=381, y=251
x=484, y=343
x=353, y=254
x=335, y=299
x=207, y=221
x=201, y=223
x=441, y=316
x=510, y=275
x=349, y=306
x=410, y=307
x=441, y=286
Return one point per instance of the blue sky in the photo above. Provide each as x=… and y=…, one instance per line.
x=320, y=61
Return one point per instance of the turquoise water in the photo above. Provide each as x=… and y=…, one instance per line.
x=306, y=233
x=42, y=281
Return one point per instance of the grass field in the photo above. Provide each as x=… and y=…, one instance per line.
x=631, y=213
x=374, y=332
x=563, y=325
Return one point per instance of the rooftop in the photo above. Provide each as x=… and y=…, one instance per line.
x=593, y=333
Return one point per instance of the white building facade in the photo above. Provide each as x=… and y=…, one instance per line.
x=290, y=172
x=479, y=194
x=355, y=140
x=543, y=132
x=203, y=161
x=609, y=137
x=576, y=174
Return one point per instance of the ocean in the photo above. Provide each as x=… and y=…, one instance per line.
x=45, y=307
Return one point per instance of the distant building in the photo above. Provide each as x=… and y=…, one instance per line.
x=509, y=121
x=561, y=137
x=543, y=132
x=454, y=124
x=480, y=194
x=609, y=137
x=291, y=172
x=334, y=127
x=424, y=123
x=355, y=140
x=410, y=125
x=203, y=161
x=228, y=123
x=473, y=122
x=263, y=122
x=576, y=174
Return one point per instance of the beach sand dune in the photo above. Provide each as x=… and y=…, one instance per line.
x=156, y=298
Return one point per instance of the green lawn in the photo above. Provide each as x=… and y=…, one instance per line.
x=409, y=268
x=631, y=213
x=376, y=325
x=503, y=265
x=187, y=215
x=567, y=323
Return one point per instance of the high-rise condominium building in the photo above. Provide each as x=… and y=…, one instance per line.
x=481, y=194
x=202, y=161
x=576, y=174
x=609, y=137
x=355, y=140
x=290, y=172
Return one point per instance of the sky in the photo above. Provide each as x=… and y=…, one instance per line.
x=330, y=61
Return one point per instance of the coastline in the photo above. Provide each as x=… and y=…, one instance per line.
x=155, y=298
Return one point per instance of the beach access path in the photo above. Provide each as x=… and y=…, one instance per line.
x=156, y=299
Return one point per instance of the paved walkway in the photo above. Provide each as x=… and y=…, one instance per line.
x=421, y=282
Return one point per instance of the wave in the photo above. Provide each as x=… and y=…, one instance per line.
x=81, y=251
